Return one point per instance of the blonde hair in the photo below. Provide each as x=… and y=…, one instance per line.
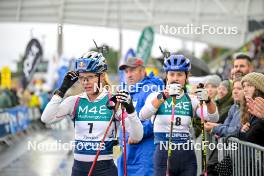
x=106, y=82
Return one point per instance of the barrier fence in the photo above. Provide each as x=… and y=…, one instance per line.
x=17, y=119
x=247, y=159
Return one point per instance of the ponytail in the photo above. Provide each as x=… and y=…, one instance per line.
x=106, y=82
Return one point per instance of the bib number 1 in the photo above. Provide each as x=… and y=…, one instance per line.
x=91, y=127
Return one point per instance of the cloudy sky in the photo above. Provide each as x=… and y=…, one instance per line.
x=77, y=40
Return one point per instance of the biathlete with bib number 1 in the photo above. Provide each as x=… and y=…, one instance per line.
x=92, y=119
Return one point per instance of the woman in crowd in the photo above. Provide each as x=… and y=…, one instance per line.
x=253, y=126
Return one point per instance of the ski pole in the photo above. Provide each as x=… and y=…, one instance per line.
x=98, y=151
x=204, y=169
x=124, y=138
x=171, y=129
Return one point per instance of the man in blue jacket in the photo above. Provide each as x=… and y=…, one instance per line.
x=139, y=153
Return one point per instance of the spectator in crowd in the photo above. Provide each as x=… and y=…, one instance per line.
x=232, y=123
x=224, y=102
x=211, y=84
x=139, y=154
x=5, y=99
x=34, y=100
x=224, y=99
x=8, y=98
x=14, y=96
x=230, y=126
x=242, y=65
x=25, y=97
x=253, y=130
x=232, y=74
x=255, y=107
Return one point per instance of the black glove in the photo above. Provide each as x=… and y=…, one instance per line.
x=124, y=98
x=69, y=79
x=111, y=103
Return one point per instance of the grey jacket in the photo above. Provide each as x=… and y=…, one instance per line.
x=232, y=123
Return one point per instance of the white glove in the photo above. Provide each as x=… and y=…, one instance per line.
x=174, y=89
x=123, y=97
x=202, y=94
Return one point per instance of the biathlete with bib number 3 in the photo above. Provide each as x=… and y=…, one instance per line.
x=172, y=111
x=94, y=139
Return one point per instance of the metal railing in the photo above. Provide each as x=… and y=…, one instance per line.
x=247, y=158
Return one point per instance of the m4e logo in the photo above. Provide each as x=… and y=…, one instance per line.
x=94, y=110
x=178, y=106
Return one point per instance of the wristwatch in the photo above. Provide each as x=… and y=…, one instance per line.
x=161, y=97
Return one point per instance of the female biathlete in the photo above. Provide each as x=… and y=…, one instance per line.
x=172, y=111
x=91, y=115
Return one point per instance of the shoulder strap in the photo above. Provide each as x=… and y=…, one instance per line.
x=189, y=99
x=74, y=110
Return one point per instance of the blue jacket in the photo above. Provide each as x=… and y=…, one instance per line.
x=231, y=124
x=140, y=156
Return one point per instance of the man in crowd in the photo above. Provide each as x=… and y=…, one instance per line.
x=242, y=65
x=139, y=154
